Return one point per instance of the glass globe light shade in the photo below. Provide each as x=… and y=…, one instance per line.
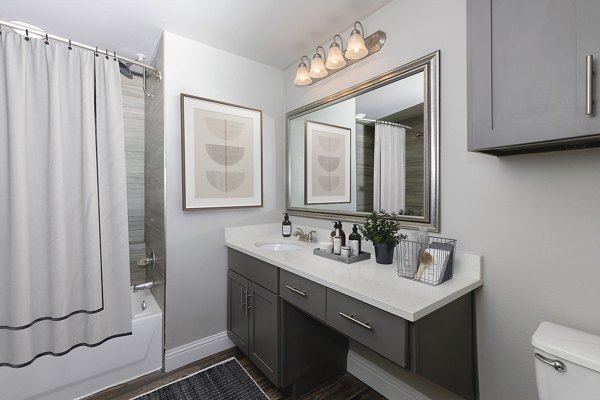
x=356, y=46
x=302, y=76
x=317, y=67
x=335, y=58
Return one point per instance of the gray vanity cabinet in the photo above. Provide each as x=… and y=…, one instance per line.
x=527, y=88
x=296, y=330
x=253, y=311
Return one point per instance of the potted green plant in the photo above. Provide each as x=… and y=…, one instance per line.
x=381, y=228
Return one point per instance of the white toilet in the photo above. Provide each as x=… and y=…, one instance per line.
x=567, y=363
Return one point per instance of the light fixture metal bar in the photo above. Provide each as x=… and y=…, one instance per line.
x=373, y=42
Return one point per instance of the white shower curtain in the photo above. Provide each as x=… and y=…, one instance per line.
x=389, y=173
x=64, y=258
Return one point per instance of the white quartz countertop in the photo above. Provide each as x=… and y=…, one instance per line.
x=375, y=284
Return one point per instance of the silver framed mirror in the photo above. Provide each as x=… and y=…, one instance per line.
x=394, y=158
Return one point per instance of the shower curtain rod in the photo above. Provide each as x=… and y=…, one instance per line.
x=81, y=45
x=378, y=121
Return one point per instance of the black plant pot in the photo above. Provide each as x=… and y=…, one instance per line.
x=384, y=252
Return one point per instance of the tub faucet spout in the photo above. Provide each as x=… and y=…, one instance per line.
x=142, y=286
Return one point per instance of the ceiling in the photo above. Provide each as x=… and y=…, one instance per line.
x=391, y=98
x=273, y=32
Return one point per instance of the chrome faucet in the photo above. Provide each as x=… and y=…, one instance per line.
x=306, y=237
x=142, y=286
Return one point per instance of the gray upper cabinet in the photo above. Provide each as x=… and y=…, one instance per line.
x=527, y=86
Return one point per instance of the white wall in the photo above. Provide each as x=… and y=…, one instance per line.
x=534, y=218
x=197, y=259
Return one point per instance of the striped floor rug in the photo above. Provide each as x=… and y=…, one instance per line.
x=227, y=380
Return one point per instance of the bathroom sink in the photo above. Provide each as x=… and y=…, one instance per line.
x=278, y=246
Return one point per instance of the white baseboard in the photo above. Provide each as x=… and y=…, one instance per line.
x=410, y=387
x=197, y=350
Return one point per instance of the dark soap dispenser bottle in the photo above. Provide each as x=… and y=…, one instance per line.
x=342, y=233
x=286, y=226
x=333, y=232
x=354, y=240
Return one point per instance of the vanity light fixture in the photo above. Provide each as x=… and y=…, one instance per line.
x=317, y=67
x=337, y=58
x=302, y=74
x=356, y=46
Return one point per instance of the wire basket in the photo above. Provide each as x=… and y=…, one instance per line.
x=431, y=263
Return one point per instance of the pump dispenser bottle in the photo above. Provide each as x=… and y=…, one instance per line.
x=334, y=231
x=342, y=233
x=354, y=240
x=337, y=241
x=286, y=226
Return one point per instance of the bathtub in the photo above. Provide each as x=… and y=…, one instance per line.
x=86, y=370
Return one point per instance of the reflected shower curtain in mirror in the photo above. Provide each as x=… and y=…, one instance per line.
x=389, y=171
x=64, y=264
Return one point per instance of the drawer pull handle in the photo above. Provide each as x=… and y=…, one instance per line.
x=589, y=82
x=293, y=289
x=248, y=306
x=556, y=364
x=242, y=294
x=351, y=318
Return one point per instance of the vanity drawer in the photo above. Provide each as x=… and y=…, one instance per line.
x=379, y=330
x=258, y=271
x=305, y=294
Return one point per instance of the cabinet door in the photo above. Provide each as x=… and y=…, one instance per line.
x=588, y=42
x=264, y=328
x=527, y=72
x=237, y=313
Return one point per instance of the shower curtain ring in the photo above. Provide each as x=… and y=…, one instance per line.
x=115, y=55
x=70, y=48
x=96, y=53
x=27, y=34
x=47, y=41
x=106, y=52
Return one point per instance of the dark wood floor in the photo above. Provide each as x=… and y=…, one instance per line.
x=346, y=387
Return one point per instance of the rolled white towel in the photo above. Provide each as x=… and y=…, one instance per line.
x=434, y=272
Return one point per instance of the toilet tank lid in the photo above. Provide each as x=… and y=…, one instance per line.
x=569, y=344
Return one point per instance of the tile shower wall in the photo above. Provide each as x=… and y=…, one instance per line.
x=133, y=119
x=154, y=218
x=415, y=176
x=365, y=142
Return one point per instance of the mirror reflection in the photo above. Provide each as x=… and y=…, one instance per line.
x=369, y=148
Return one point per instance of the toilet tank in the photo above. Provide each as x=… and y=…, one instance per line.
x=578, y=351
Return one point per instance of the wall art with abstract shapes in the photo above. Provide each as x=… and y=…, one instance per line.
x=326, y=164
x=221, y=154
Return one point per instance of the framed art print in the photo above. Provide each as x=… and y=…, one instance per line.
x=327, y=163
x=221, y=154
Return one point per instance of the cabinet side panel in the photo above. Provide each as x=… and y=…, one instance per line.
x=237, y=320
x=444, y=347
